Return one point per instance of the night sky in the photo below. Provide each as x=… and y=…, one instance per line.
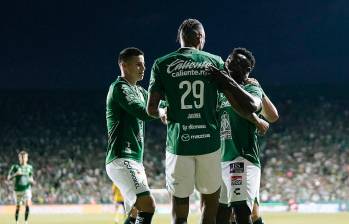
x=73, y=44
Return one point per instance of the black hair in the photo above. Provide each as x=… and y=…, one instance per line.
x=248, y=54
x=127, y=53
x=189, y=29
x=23, y=152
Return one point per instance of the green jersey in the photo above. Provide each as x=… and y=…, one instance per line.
x=191, y=100
x=23, y=180
x=125, y=115
x=238, y=135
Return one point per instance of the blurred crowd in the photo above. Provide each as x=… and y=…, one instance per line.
x=305, y=156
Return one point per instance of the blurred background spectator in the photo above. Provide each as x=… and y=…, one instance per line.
x=305, y=156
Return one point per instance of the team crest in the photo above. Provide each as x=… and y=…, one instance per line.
x=225, y=127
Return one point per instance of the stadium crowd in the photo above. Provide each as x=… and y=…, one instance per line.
x=305, y=156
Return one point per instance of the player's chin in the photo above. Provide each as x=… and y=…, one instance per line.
x=141, y=76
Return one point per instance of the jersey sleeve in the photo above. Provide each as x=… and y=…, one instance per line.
x=31, y=171
x=220, y=63
x=131, y=102
x=155, y=84
x=254, y=90
x=13, y=170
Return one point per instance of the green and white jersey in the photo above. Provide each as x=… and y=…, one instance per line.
x=125, y=115
x=238, y=135
x=22, y=182
x=191, y=100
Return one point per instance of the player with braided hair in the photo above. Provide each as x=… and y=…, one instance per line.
x=239, y=143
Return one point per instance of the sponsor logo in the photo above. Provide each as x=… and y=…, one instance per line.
x=193, y=127
x=225, y=127
x=194, y=116
x=200, y=136
x=237, y=167
x=188, y=73
x=179, y=65
x=185, y=137
x=133, y=174
x=236, y=180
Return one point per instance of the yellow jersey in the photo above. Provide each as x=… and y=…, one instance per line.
x=117, y=194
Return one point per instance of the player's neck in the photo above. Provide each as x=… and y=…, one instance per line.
x=189, y=46
x=130, y=81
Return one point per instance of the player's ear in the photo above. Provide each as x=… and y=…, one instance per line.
x=123, y=65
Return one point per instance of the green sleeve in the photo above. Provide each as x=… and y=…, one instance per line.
x=130, y=102
x=220, y=63
x=163, y=104
x=155, y=84
x=13, y=170
x=254, y=90
x=31, y=171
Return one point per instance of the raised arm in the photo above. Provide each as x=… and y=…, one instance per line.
x=269, y=111
x=243, y=102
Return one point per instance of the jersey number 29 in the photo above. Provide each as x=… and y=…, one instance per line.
x=195, y=88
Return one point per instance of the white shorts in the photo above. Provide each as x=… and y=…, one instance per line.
x=185, y=172
x=129, y=176
x=241, y=180
x=23, y=196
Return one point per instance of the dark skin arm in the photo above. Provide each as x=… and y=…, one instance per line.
x=269, y=111
x=243, y=102
x=153, y=107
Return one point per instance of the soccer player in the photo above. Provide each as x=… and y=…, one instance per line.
x=239, y=143
x=125, y=115
x=22, y=174
x=182, y=78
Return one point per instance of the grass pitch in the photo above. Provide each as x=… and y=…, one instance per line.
x=269, y=218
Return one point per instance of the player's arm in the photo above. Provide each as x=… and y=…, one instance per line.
x=257, y=93
x=155, y=96
x=31, y=178
x=243, y=102
x=12, y=173
x=269, y=111
x=153, y=107
x=131, y=102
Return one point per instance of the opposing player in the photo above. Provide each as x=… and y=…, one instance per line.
x=125, y=115
x=192, y=147
x=22, y=175
x=119, y=205
x=239, y=142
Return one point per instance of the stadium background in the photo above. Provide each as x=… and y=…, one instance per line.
x=58, y=59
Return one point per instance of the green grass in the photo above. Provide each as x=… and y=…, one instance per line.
x=269, y=218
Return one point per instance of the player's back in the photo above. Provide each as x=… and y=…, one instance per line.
x=191, y=99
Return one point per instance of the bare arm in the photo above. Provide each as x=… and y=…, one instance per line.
x=269, y=111
x=243, y=102
x=153, y=108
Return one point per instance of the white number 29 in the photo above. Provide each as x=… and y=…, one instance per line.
x=197, y=89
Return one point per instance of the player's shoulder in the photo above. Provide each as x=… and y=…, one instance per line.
x=14, y=166
x=210, y=55
x=165, y=57
x=254, y=88
x=118, y=85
